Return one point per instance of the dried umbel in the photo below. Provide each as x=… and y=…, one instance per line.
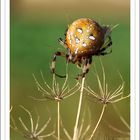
x=105, y=95
x=55, y=91
x=33, y=132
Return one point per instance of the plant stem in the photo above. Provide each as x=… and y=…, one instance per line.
x=99, y=120
x=78, y=111
x=58, y=120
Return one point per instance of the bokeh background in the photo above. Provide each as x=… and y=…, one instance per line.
x=35, y=26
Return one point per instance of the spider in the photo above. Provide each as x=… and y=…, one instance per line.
x=83, y=39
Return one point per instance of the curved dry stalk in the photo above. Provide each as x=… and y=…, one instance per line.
x=98, y=122
x=81, y=131
x=30, y=116
x=121, y=118
x=79, y=109
x=83, y=128
x=44, y=127
x=11, y=108
x=124, y=122
x=118, y=130
x=23, y=125
x=65, y=131
x=13, y=124
x=120, y=99
x=45, y=136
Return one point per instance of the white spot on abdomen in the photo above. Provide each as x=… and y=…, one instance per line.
x=84, y=45
x=71, y=33
x=92, y=37
x=77, y=40
x=80, y=30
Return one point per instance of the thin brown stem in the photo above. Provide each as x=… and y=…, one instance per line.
x=98, y=122
x=79, y=110
x=58, y=120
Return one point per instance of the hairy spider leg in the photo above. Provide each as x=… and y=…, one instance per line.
x=86, y=65
x=62, y=42
x=53, y=65
x=107, y=46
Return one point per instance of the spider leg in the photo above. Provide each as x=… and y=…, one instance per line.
x=104, y=48
x=62, y=42
x=54, y=63
x=105, y=53
x=110, y=42
x=108, y=45
x=86, y=66
x=79, y=64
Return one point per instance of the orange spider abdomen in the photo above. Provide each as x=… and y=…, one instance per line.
x=84, y=37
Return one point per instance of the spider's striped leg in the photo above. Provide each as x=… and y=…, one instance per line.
x=109, y=44
x=54, y=63
x=62, y=42
x=105, y=53
x=79, y=65
x=102, y=51
x=86, y=66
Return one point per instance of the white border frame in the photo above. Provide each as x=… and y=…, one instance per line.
x=5, y=63
x=5, y=69
x=135, y=106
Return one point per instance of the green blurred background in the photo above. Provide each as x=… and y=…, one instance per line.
x=35, y=26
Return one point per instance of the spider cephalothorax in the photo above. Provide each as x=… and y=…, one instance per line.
x=84, y=38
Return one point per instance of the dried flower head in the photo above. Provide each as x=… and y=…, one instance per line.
x=105, y=95
x=33, y=132
x=54, y=91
